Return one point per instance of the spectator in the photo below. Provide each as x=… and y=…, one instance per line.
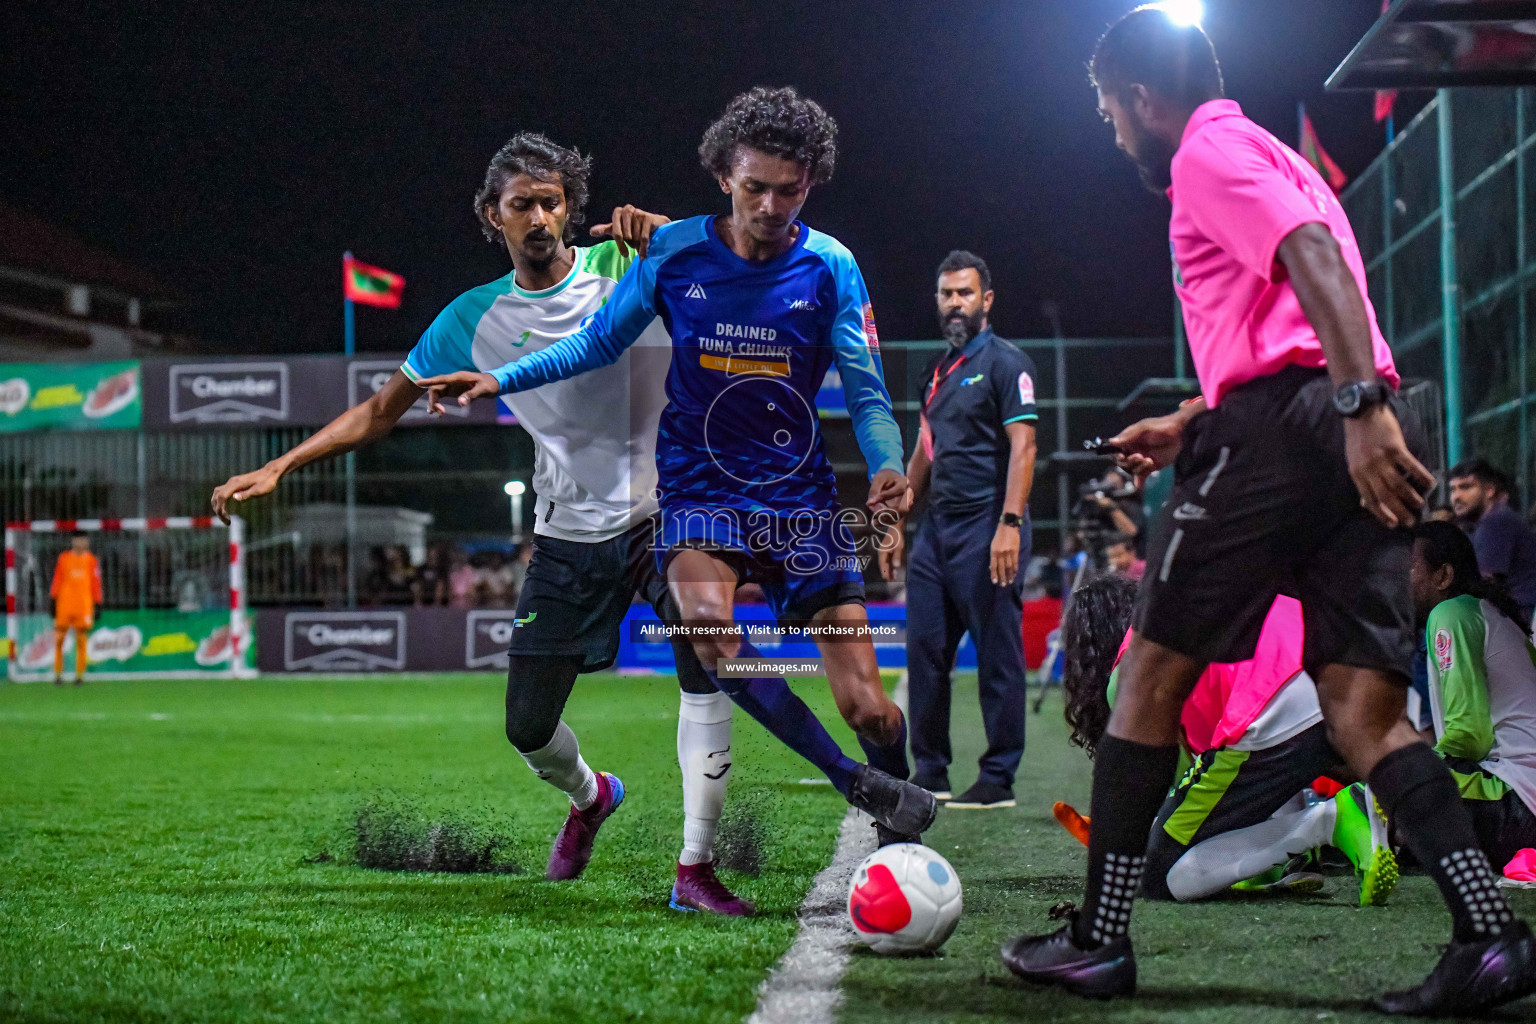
x=1506, y=545
x=495, y=580
x=462, y=580
x=1120, y=553
x=430, y=587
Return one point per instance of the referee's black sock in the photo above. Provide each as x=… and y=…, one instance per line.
x=1130, y=782
x=1420, y=797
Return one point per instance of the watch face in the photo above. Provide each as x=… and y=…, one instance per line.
x=1347, y=399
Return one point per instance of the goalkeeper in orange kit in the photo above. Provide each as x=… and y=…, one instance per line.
x=76, y=591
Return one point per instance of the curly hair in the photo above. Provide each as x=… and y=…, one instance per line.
x=779, y=122
x=532, y=154
x=1097, y=616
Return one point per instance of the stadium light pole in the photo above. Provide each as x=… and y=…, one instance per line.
x=515, y=490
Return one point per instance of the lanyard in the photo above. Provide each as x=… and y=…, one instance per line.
x=933, y=387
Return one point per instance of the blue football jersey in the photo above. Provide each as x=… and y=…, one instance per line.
x=752, y=342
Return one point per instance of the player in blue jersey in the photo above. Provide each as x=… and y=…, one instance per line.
x=759, y=306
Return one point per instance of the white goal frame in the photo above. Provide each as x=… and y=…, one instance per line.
x=239, y=619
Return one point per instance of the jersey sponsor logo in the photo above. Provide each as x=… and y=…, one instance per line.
x=1189, y=510
x=521, y=340
x=1444, y=655
x=871, y=336
x=735, y=358
x=695, y=291
x=972, y=380
x=526, y=619
x=800, y=304
x=1026, y=389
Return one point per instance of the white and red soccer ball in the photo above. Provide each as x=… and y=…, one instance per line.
x=905, y=899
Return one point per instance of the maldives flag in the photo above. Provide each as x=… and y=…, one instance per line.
x=369, y=285
x=1313, y=152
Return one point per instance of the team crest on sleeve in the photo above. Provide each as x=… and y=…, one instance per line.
x=871, y=336
x=1026, y=389
x=1443, y=656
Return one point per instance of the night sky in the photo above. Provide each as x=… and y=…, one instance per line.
x=238, y=149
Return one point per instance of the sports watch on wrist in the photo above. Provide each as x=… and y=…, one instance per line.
x=1011, y=519
x=1354, y=398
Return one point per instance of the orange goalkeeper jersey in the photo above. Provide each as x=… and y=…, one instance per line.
x=76, y=583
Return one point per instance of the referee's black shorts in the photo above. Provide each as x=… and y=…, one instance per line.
x=1263, y=504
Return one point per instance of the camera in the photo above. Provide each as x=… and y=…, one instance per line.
x=1091, y=521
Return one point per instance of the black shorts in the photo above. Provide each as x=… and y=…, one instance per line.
x=576, y=595
x=1227, y=789
x=1263, y=504
x=1504, y=825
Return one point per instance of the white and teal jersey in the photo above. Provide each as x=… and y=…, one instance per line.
x=594, y=436
x=1482, y=693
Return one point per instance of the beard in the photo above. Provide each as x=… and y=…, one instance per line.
x=959, y=328
x=1153, y=159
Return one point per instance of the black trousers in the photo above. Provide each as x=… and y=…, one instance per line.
x=950, y=593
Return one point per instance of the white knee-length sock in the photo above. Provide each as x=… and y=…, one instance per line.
x=559, y=763
x=704, y=755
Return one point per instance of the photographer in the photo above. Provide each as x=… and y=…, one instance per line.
x=1117, y=501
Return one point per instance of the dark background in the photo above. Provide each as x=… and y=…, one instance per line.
x=238, y=149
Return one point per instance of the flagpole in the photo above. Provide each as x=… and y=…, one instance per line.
x=349, y=319
x=1301, y=125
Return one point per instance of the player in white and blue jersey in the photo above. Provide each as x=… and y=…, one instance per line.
x=758, y=307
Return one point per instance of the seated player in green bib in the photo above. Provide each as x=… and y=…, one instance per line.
x=1482, y=688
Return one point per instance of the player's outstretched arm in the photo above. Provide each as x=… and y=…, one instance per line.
x=599, y=342
x=358, y=427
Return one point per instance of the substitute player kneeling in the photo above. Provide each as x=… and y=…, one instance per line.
x=76, y=591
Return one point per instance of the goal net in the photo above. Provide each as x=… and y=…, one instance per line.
x=173, y=598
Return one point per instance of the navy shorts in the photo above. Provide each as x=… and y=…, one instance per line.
x=805, y=561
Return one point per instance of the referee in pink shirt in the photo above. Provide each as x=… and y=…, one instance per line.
x=1295, y=472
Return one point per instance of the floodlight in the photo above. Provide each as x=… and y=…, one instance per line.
x=515, y=488
x=1184, y=13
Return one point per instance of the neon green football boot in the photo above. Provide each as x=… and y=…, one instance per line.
x=1360, y=833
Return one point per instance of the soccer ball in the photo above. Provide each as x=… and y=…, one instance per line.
x=905, y=899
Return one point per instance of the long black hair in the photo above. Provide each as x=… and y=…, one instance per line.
x=1441, y=544
x=1097, y=616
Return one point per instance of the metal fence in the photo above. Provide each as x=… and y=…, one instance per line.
x=1444, y=221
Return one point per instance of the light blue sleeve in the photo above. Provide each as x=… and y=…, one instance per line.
x=600, y=341
x=445, y=346
x=856, y=351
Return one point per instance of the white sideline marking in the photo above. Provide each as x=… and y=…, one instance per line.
x=805, y=987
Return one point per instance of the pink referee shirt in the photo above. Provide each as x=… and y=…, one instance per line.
x=1237, y=192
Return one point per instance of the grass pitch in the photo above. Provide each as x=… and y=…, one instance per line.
x=185, y=851
x=182, y=851
x=1251, y=960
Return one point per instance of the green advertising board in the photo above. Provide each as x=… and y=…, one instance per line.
x=142, y=642
x=70, y=396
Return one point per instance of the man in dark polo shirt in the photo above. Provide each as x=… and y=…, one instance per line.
x=1505, y=543
x=974, y=463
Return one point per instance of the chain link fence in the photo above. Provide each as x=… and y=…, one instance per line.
x=1444, y=219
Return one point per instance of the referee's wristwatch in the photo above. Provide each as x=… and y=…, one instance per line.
x=1354, y=398
x=1011, y=519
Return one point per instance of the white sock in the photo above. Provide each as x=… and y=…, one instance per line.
x=704, y=755
x=1222, y=861
x=559, y=763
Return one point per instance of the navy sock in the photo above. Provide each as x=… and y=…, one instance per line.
x=774, y=705
x=891, y=759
